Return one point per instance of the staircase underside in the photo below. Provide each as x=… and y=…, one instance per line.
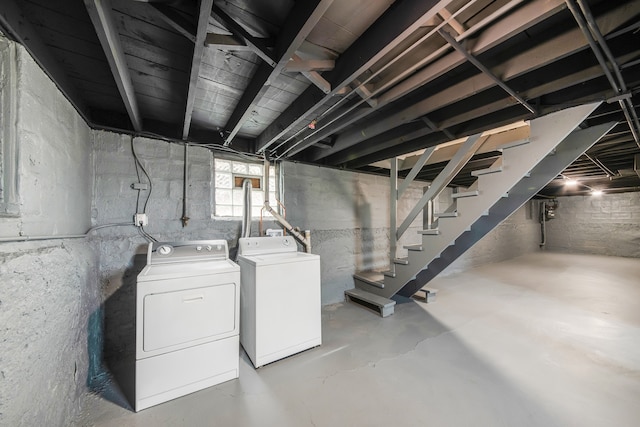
x=566, y=153
x=530, y=165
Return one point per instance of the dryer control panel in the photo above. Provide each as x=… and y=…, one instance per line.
x=188, y=251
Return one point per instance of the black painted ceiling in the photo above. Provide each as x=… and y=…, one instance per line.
x=344, y=83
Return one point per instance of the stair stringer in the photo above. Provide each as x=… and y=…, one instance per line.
x=566, y=153
x=546, y=133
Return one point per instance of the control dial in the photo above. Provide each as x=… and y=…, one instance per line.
x=165, y=250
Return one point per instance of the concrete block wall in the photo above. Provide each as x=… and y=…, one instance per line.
x=519, y=234
x=48, y=289
x=602, y=225
x=348, y=215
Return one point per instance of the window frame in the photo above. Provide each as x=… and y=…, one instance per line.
x=236, y=180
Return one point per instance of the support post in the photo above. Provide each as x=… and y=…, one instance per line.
x=393, y=213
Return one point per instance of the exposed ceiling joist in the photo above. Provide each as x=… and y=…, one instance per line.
x=298, y=65
x=384, y=82
x=562, y=46
x=384, y=35
x=301, y=20
x=100, y=14
x=175, y=20
x=394, y=89
x=196, y=62
x=311, y=74
x=17, y=26
x=256, y=44
x=230, y=42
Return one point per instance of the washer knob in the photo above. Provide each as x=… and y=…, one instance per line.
x=209, y=248
x=198, y=248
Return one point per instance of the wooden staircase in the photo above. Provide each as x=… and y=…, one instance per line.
x=525, y=166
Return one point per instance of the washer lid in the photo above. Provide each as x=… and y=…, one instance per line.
x=279, y=258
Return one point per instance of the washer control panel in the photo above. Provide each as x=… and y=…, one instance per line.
x=266, y=245
x=189, y=251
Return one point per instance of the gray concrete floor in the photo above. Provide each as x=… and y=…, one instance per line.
x=541, y=340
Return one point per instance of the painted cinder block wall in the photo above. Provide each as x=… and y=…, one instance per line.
x=49, y=298
x=601, y=225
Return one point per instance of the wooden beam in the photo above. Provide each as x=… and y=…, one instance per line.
x=453, y=23
x=100, y=14
x=301, y=20
x=311, y=75
x=231, y=42
x=255, y=43
x=17, y=27
x=175, y=20
x=196, y=62
x=298, y=65
x=385, y=34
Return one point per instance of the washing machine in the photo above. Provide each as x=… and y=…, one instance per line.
x=187, y=320
x=280, y=308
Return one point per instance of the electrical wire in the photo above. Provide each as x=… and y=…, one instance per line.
x=148, y=237
x=137, y=174
x=135, y=156
x=141, y=229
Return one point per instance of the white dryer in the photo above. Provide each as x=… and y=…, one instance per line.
x=187, y=320
x=280, y=306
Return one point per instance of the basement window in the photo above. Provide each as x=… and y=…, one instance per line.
x=8, y=146
x=228, y=177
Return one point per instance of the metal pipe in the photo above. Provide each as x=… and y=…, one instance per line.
x=632, y=118
x=246, y=214
x=304, y=239
x=585, y=30
x=59, y=237
x=30, y=238
x=599, y=165
x=543, y=225
x=457, y=46
x=185, y=186
x=595, y=30
x=295, y=233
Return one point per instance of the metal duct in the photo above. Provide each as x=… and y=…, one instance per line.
x=246, y=213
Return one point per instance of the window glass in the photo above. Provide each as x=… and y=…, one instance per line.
x=229, y=199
